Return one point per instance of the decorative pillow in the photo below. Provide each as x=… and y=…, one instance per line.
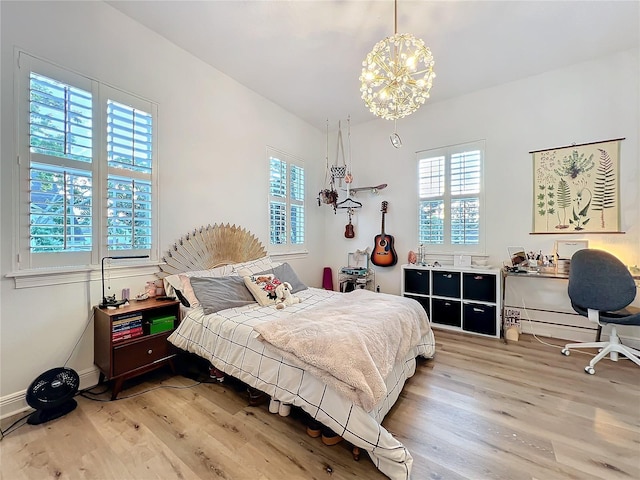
x=286, y=273
x=263, y=288
x=220, y=293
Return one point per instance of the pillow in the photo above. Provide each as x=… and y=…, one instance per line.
x=183, y=300
x=187, y=290
x=286, y=273
x=262, y=287
x=174, y=282
x=220, y=293
x=253, y=266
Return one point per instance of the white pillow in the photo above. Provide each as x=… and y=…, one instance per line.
x=253, y=266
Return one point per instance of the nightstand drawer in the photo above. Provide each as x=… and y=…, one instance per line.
x=138, y=354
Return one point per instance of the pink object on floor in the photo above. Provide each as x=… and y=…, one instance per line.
x=327, y=279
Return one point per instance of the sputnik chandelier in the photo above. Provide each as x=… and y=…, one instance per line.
x=397, y=75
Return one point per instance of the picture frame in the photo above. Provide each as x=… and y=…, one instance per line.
x=576, y=189
x=517, y=256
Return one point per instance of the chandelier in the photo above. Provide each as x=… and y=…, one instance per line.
x=397, y=75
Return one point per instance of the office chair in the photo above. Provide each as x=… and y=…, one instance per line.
x=601, y=288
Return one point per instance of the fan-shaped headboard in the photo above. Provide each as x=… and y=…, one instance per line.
x=211, y=246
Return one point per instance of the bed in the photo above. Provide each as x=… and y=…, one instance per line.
x=243, y=338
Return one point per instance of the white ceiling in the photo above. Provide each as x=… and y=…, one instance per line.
x=306, y=55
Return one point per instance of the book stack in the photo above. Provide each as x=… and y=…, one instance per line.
x=126, y=327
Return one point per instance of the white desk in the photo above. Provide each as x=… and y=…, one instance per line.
x=544, y=307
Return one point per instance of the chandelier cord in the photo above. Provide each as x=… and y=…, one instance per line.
x=395, y=17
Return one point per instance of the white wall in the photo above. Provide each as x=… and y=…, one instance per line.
x=213, y=134
x=597, y=100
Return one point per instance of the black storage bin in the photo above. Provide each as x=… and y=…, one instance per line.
x=479, y=286
x=479, y=318
x=446, y=284
x=445, y=312
x=424, y=301
x=416, y=281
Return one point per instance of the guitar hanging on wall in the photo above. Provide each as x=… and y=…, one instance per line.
x=384, y=255
x=348, y=229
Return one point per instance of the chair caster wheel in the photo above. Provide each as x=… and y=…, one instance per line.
x=566, y=352
x=589, y=369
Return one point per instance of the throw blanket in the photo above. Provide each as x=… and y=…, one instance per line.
x=352, y=343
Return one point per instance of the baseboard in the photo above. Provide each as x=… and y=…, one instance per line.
x=16, y=403
x=574, y=334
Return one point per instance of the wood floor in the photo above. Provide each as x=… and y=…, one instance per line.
x=479, y=410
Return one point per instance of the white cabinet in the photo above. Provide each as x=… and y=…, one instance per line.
x=456, y=298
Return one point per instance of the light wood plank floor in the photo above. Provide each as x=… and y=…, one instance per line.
x=479, y=410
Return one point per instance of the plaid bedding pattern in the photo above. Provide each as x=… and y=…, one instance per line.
x=227, y=339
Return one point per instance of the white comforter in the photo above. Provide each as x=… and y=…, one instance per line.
x=229, y=341
x=352, y=342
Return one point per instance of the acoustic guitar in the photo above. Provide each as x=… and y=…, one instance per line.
x=348, y=229
x=384, y=255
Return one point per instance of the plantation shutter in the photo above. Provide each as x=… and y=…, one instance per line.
x=86, y=167
x=450, y=195
x=297, y=205
x=431, y=178
x=465, y=203
x=286, y=201
x=60, y=166
x=129, y=187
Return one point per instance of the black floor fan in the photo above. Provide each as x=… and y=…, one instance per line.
x=51, y=394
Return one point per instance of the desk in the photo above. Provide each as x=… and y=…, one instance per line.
x=541, y=303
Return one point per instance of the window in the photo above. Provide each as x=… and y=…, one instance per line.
x=286, y=202
x=451, y=197
x=87, y=151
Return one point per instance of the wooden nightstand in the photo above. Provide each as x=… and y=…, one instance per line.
x=132, y=340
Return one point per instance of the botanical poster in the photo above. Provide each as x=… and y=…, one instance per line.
x=576, y=188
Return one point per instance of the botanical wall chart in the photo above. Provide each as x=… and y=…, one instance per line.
x=576, y=188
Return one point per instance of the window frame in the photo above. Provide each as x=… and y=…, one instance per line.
x=448, y=198
x=291, y=161
x=26, y=263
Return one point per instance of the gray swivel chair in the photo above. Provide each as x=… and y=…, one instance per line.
x=601, y=288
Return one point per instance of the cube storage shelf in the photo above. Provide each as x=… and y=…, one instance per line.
x=466, y=299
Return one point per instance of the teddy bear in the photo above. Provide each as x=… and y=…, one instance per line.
x=284, y=296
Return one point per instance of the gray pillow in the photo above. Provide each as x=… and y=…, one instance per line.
x=220, y=293
x=285, y=273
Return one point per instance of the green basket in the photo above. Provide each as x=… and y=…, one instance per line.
x=162, y=324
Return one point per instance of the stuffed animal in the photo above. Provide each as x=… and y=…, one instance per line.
x=284, y=296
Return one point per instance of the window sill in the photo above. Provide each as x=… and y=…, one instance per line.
x=284, y=256
x=48, y=277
